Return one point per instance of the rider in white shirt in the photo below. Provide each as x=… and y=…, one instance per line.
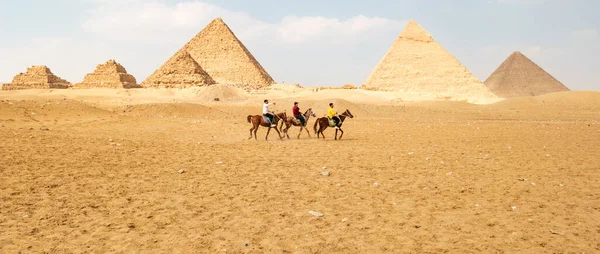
x=267, y=112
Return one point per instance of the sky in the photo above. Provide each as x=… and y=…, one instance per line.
x=307, y=42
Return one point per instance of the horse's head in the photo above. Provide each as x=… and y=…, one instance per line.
x=282, y=115
x=348, y=114
x=310, y=113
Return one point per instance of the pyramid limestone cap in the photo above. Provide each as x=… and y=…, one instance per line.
x=414, y=31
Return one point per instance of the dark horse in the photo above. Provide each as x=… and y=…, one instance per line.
x=292, y=121
x=258, y=120
x=323, y=123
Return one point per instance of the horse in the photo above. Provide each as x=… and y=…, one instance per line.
x=323, y=123
x=258, y=120
x=292, y=121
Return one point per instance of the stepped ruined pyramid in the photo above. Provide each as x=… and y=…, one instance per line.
x=223, y=56
x=180, y=71
x=519, y=76
x=37, y=77
x=417, y=64
x=108, y=75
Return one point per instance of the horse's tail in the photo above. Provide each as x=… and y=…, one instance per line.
x=315, y=126
x=249, y=118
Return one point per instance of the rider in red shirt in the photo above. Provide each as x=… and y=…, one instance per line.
x=298, y=115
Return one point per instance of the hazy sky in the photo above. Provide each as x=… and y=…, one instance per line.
x=308, y=42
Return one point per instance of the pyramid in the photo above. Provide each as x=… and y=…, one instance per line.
x=180, y=71
x=108, y=75
x=416, y=63
x=223, y=56
x=37, y=77
x=519, y=76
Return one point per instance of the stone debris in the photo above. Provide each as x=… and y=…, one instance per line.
x=37, y=77
x=376, y=184
x=108, y=75
x=325, y=173
x=514, y=208
x=315, y=213
x=181, y=171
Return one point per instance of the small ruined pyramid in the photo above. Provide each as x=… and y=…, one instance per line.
x=223, y=56
x=416, y=63
x=519, y=76
x=37, y=77
x=180, y=71
x=108, y=75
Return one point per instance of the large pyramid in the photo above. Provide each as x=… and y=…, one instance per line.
x=519, y=76
x=37, y=77
x=223, y=56
x=417, y=64
x=180, y=71
x=108, y=75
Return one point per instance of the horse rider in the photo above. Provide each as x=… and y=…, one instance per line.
x=298, y=115
x=331, y=114
x=268, y=113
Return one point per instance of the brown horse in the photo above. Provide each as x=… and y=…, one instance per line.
x=323, y=123
x=292, y=121
x=258, y=120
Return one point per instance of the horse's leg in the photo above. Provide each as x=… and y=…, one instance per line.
x=279, y=133
x=269, y=130
x=300, y=132
x=251, y=129
x=256, y=126
x=336, y=130
x=342, y=133
x=285, y=131
x=308, y=132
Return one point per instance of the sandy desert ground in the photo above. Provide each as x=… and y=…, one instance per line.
x=85, y=172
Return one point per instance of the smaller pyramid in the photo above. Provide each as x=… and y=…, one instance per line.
x=519, y=76
x=109, y=75
x=180, y=71
x=37, y=77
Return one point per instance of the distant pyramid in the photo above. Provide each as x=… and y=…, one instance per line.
x=37, y=77
x=416, y=63
x=519, y=76
x=108, y=75
x=180, y=71
x=225, y=58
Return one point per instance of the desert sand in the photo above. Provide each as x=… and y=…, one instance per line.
x=173, y=171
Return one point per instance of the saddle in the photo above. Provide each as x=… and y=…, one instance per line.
x=331, y=123
x=267, y=120
x=296, y=121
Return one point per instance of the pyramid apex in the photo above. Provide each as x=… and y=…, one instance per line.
x=218, y=20
x=414, y=31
